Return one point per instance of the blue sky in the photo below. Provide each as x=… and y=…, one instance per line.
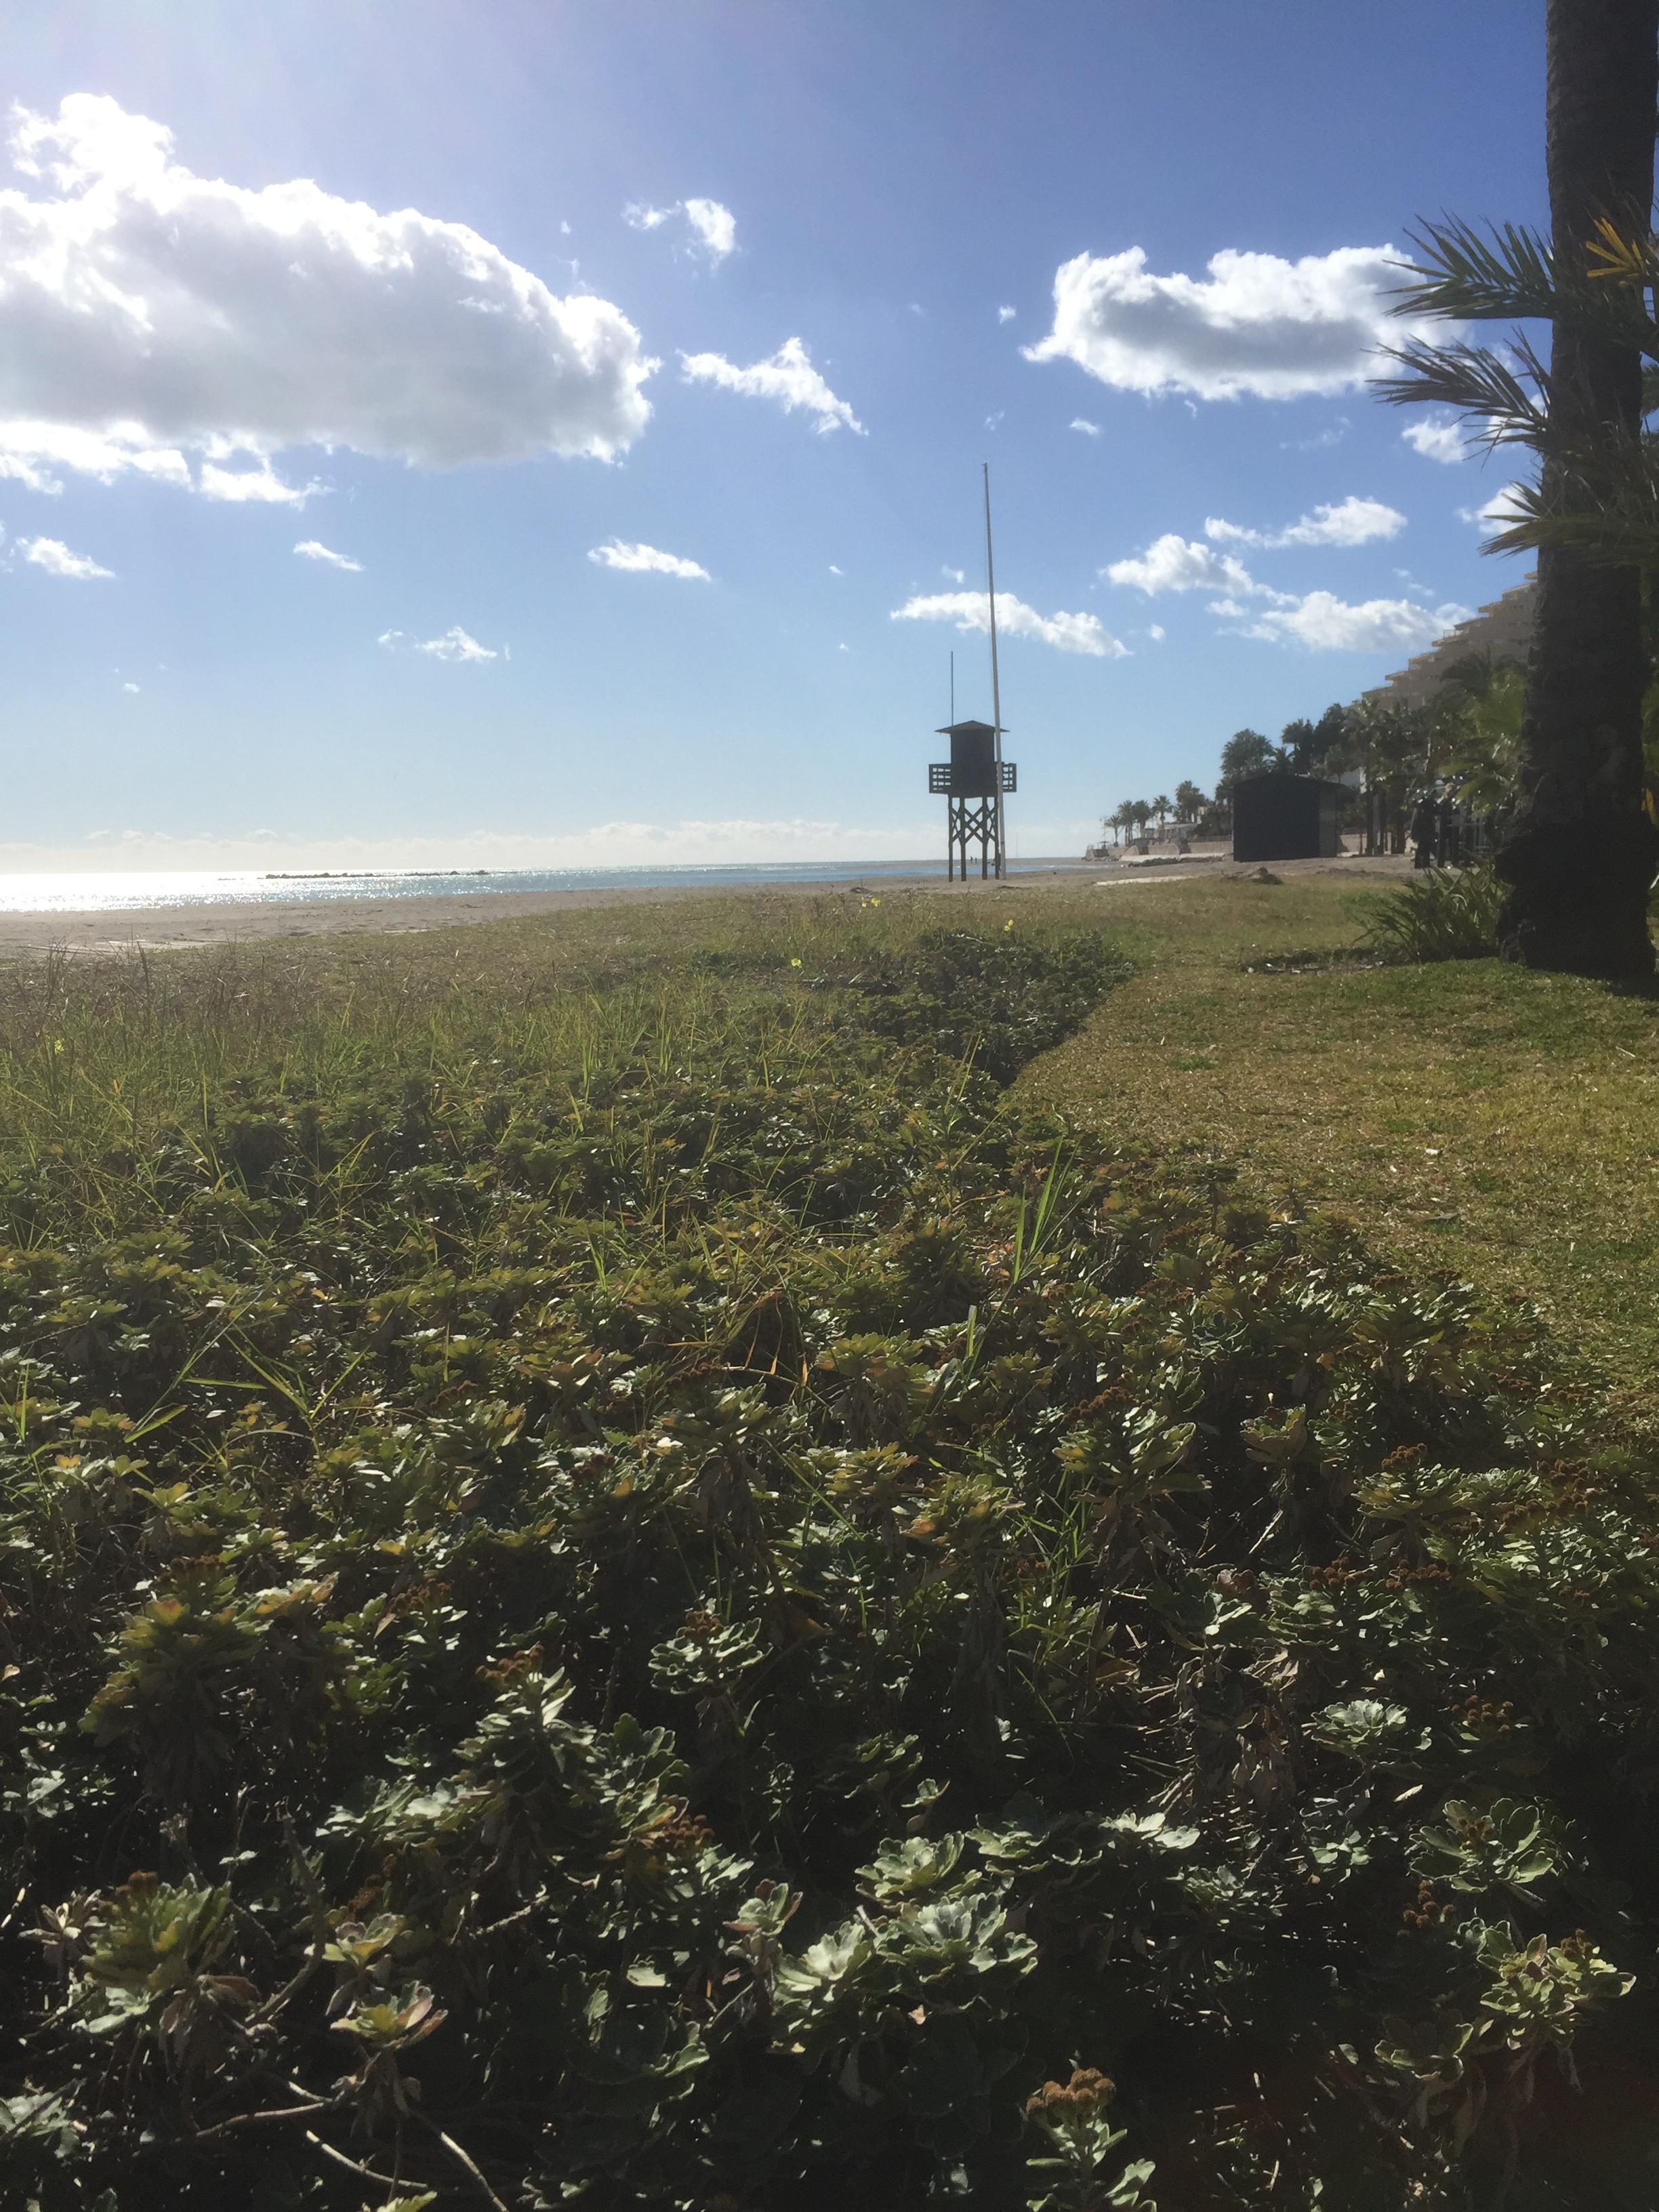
x=536, y=235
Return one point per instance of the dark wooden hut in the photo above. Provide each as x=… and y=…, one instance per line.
x=1286, y=817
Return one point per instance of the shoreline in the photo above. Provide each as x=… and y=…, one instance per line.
x=189, y=927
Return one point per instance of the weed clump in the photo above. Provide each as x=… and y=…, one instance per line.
x=655, y=1601
x=1442, y=913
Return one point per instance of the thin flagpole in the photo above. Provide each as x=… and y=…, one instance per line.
x=996, y=689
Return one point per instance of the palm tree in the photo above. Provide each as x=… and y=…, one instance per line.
x=1163, y=808
x=1190, y=801
x=1581, y=854
x=1247, y=752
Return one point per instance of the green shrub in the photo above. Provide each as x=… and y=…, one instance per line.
x=666, y=1605
x=1442, y=913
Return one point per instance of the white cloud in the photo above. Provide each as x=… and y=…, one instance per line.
x=312, y=549
x=1255, y=324
x=1352, y=521
x=31, y=453
x=1332, y=434
x=970, y=611
x=641, y=560
x=1174, y=563
x=788, y=376
x=1318, y=620
x=1005, y=315
x=714, y=227
x=1155, y=631
x=1325, y=623
x=148, y=315
x=261, y=484
x=1089, y=429
x=391, y=639
x=956, y=575
x=834, y=571
x=55, y=557
x=455, y=645
x=1437, y=437
x=129, y=687
x=1499, y=512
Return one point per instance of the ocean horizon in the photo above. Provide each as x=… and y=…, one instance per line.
x=94, y=891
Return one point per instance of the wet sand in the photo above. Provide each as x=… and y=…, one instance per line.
x=179, y=928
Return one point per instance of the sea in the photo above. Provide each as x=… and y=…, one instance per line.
x=114, y=893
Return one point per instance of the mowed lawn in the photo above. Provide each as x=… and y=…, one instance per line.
x=1474, y=1117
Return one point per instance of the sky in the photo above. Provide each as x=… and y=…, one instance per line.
x=550, y=433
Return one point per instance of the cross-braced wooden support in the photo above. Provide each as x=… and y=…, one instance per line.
x=973, y=822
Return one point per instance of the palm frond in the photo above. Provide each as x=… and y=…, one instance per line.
x=1478, y=384
x=1601, y=501
x=1510, y=274
x=1507, y=276
x=1618, y=257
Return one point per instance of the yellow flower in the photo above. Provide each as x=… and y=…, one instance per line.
x=794, y=963
x=1009, y=923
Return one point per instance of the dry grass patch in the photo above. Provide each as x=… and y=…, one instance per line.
x=1473, y=1117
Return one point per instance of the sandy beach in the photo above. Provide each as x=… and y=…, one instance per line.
x=177, y=928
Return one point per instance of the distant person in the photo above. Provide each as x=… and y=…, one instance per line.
x=1451, y=835
x=1424, y=832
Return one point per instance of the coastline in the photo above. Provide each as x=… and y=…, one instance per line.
x=188, y=927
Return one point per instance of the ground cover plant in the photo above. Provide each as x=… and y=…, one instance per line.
x=638, y=1587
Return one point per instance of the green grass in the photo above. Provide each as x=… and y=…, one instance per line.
x=1469, y=1115
x=629, y=1576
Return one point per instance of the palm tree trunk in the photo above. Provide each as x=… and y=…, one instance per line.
x=1581, y=855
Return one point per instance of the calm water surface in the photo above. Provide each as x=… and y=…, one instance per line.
x=116, y=894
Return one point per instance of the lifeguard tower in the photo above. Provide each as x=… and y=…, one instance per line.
x=973, y=781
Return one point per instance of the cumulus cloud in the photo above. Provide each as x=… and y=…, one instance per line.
x=1318, y=620
x=713, y=228
x=1255, y=324
x=456, y=645
x=1437, y=437
x=1005, y=315
x=148, y=316
x=1325, y=623
x=1499, y=511
x=55, y=557
x=788, y=376
x=1352, y=521
x=1088, y=428
x=971, y=610
x=1174, y=563
x=312, y=549
x=129, y=687
x=260, y=483
x=645, y=560
x=33, y=452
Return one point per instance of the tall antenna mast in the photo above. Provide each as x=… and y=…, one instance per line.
x=953, y=686
x=996, y=690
